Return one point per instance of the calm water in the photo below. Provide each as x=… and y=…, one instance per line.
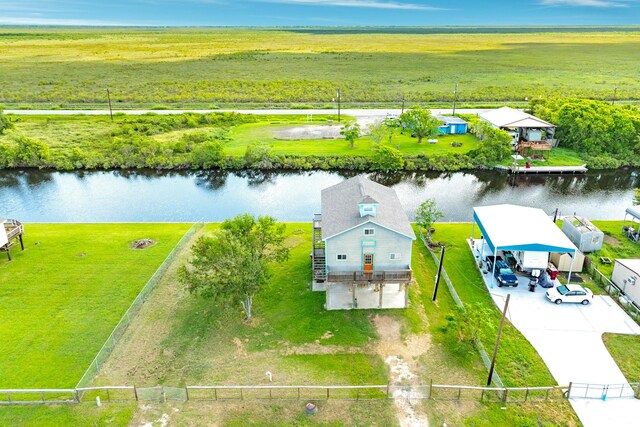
x=116, y=196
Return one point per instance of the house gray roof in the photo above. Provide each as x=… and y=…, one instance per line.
x=451, y=120
x=340, y=210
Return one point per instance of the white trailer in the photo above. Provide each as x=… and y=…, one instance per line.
x=529, y=260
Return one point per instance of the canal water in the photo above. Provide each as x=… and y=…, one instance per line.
x=150, y=196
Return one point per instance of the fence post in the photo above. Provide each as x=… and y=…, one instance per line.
x=430, y=387
x=298, y=393
x=526, y=394
x=215, y=394
x=241, y=394
x=42, y=395
x=387, y=389
x=9, y=396
x=186, y=392
x=569, y=391
x=638, y=390
x=504, y=394
x=327, y=393
x=135, y=392
x=108, y=396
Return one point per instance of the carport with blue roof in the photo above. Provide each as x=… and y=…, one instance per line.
x=519, y=228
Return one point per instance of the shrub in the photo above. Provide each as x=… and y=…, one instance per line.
x=31, y=153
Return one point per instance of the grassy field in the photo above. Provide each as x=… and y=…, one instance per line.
x=616, y=245
x=625, y=349
x=181, y=339
x=557, y=157
x=63, y=295
x=158, y=141
x=221, y=67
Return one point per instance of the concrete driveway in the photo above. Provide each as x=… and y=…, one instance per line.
x=568, y=337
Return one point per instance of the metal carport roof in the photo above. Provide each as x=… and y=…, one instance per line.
x=520, y=228
x=634, y=211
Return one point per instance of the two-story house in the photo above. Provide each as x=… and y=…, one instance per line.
x=362, y=247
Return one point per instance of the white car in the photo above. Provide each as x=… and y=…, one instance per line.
x=570, y=293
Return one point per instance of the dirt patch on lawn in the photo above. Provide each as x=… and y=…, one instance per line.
x=308, y=132
x=612, y=241
x=143, y=244
x=402, y=357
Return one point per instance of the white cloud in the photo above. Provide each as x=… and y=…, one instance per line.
x=371, y=4
x=585, y=3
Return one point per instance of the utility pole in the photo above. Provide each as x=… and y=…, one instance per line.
x=435, y=290
x=455, y=98
x=109, y=98
x=338, y=96
x=615, y=92
x=495, y=349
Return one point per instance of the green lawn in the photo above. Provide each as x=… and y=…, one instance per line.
x=625, y=349
x=244, y=135
x=85, y=414
x=557, y=157
x=616, y=245
x=80, y=141
x=63, y=295
x=169, y=67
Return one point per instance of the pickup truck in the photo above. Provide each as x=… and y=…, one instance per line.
x=489, y=261
x=504, y=274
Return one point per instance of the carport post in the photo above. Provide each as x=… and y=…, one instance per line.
x=493, y=269
x=571, y=268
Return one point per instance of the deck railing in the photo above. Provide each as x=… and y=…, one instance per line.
x=375, y=276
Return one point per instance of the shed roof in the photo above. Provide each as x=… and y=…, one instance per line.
x=520, y=228
x=634, y=211
x=631, y=264
x=507, y=117
x=340, y=210
x=451, y=120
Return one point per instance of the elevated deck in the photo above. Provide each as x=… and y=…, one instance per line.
x=368, y=277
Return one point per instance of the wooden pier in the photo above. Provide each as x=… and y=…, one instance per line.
x=544, y=170
x=14, y=231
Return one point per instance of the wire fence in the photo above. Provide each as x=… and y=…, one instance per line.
x=632, y=309
x=454, y=294
x=133, y=309
x=207, y=393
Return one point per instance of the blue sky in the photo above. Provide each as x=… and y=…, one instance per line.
x=319, y=12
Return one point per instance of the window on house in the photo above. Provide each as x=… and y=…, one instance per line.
x=369, y=231
x=341, y=257
x=394, y=256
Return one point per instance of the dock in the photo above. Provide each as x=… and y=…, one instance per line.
x=545, y=170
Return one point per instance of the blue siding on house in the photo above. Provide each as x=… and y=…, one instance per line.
x=355, y=244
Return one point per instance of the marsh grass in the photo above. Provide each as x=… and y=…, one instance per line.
x=60, y=67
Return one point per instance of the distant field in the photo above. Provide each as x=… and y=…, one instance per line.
x=222, y=67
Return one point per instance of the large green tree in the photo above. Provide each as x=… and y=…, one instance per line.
x=233, y=265
x=420, y=122
x=593, y=128
x=494, y=145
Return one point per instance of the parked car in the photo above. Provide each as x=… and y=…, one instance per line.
x=570, y=293
x=504, y=274
x=489, y=261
